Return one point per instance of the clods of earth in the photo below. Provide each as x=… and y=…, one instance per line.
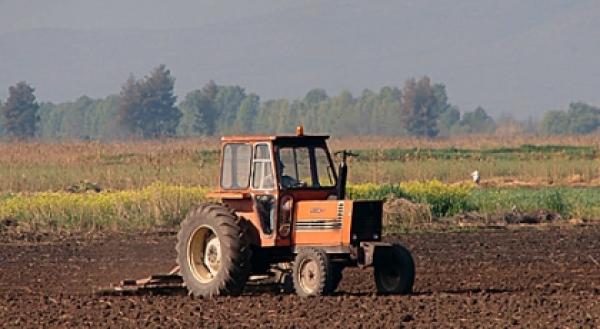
x=540, y=278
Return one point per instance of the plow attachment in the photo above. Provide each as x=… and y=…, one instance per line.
x=164, y=284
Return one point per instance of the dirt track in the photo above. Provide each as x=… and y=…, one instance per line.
x=527, y=278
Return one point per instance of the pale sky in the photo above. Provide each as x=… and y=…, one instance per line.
x=113, y=14
x=509, y=56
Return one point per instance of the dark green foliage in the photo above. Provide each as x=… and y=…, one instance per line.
x=315, y=96
x=218, y=110
x=448, y=118
x=441, y=203
x=477, y=121
x=524, y=152
x=20, y=112
x=147, y=107
x=569, y=202
x=199, y=112
x=246, y=114
x=448, y=114
x=227, y=102
x=86, y=118
x=584, y=118
x=555, y=123
x=377, y=192
x=580, y=118
x=420, y=108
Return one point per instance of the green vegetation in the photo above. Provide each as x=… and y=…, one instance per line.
x=524, y=152
x=165, y=205
x=150, y=183
x=443, y=199
x=570, y=202
x=20, y=113
x=580, y=118
x=448, y=200
x=146, y=108
x=155, y=205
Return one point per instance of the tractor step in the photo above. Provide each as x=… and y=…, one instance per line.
x=168, y=284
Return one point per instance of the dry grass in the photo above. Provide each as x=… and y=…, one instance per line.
x=113, y=166
x=467, y=141
x=37, y=166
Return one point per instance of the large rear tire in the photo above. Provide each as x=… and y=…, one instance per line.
x=213, y=251
x=394, y=270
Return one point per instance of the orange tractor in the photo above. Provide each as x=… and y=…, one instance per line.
x=283, y=213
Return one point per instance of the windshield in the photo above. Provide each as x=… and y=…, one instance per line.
x=305, y=166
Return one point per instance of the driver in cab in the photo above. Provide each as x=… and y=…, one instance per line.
x=287, y=181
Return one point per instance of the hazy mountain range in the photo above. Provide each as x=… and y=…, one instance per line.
x=520, y=57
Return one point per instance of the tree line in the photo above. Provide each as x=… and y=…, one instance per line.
x=147, y=108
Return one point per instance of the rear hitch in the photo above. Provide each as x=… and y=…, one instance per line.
x=366, y=253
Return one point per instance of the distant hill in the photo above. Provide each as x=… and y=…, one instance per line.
x=522, y=57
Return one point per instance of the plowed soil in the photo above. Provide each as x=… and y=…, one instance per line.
x=546, y=278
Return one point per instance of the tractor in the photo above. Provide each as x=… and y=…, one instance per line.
x=283, y=212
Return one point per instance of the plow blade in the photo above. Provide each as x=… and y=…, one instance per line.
x=167, y=284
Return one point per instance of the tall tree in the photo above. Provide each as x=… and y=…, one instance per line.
x=227, y=103
x=583, y=118
x=308, y=109
x=315, y=96
x=147, y=106
x=199, y=112
x=448, y=114
x=477, y=121
x=20, y=113
x=419, y=108
x=244, y=121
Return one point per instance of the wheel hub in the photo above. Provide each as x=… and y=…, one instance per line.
x=212, y=256
x=309, y=278
x=204, y=254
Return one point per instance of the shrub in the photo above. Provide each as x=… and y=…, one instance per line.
x=371, y=191
x=443, y=199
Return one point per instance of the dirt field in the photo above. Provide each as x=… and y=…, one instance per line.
x=527, y=278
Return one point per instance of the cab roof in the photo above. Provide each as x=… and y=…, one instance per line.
x=274, y=138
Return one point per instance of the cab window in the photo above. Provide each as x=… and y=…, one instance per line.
x=305, y=166
x=236, y=166
x=323, y=169
x=262, y=177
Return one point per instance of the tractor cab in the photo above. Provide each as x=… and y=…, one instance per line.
x=263, y=177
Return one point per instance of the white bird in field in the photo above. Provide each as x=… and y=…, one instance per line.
x=475, y=176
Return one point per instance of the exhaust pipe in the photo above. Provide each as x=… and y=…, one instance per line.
x=343, y=173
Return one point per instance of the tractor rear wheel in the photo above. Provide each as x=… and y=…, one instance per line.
x=394, y=270
x=213, y=251
x=310, y=273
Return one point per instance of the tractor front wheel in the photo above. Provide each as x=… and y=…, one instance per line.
x=311, y=273
x=394, y=270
